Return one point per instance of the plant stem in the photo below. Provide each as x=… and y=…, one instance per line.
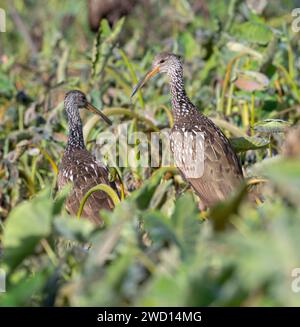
x=21, y=116
x=252, y=113
x=101, y=187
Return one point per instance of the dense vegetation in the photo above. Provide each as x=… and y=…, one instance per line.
x=241, y=68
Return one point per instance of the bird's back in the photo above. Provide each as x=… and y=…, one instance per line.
x=81, y=169
x=222, y=172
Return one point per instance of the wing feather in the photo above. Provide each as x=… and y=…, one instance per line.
x=82, y=170
x=222, y=171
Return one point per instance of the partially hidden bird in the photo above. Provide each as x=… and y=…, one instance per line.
x=217, y=167
x=79, y=167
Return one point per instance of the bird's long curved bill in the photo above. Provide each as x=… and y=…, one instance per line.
x=144, y=80
x=90, y=107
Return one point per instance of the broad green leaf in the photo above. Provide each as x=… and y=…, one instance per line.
x=60, y=199
x=143, y=196
x=271, y=126
x=182, y=228
x=220, y=214
x=159, y=227
x=186, y=222
x=21, y=294
x=245, y=143
x=286, y=175
x=103, y=287
x=164, y=290
x=190, y=45
x=26, y=225
x=254, y=32
x=73, y=229
x=6, y=86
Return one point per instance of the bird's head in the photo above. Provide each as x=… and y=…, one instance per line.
x=164, y=62
x=76, y=99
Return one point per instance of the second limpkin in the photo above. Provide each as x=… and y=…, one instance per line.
x=79, y=167
x=219, y=170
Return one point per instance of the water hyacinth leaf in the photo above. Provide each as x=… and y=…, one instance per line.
x=26, y=225
x=143, y=196
x=286, y=175
x=190, y=45
x=159, y=227
x=102, y=288
x=73, y=229
x=285, y=172
x=245, y=143
x=254, y=32
x=251, y=81
x=164, y=290
x=6, y=86
x=60, y=199
x=271, y=126
x=21, y=293
x=222, y=212
x=182, y=229
x=186, y=224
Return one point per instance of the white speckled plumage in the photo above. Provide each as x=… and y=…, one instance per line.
x=222, y=170
x=80, y=168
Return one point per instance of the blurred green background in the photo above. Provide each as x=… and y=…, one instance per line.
x=156, y=249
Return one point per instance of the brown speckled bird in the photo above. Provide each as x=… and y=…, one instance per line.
x=79, y=167
x=222, y=172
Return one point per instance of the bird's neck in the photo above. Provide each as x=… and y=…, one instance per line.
x=75, y=138
x=182, y=107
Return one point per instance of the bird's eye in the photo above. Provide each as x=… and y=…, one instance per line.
x=162, y=61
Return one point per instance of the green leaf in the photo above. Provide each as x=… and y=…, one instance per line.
x=182, y=228
x=164, y=291
x=286, y=175
x=159, y=227
x=73, y=229
x=26, y=225
x=60, y=199
x=6, y=86
x=190, y=45
x=143, y=196
x=20, y=294
x=271, y=126
x=104, y=44
x=220, y=214
x=186, y=222
x=254, y=32
x=245, y=143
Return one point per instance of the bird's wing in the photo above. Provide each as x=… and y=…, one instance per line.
x=222, y=172
x=84, y=173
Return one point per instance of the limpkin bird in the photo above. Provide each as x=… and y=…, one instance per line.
x=79, y=167
x=221, y=172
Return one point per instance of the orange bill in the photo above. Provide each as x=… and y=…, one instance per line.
x=144, y=80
